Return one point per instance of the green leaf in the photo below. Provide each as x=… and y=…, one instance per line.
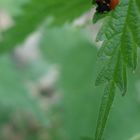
x=98, y=16
x=77, y=63
x=86, y=138
x=105, y=107
x=120, y=36
x=107, y=72
x=120, y=42
x=120, y=75
x=53, y=46
x=12, y=7
x=137, y=137
x=76, y=59
x=35, y=12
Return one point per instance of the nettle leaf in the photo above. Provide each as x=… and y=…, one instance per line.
x=87, y=138
x=98, y=16
x=106, y=103
x=35, y=12
x=120, y=36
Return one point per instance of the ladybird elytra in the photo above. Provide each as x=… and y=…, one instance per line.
x=106, y=5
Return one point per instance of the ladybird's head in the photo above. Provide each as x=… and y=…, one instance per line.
x=106, y=5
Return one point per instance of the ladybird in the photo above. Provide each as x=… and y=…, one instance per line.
x=113, y=4
x=106, y=5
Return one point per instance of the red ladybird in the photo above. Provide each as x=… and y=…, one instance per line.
x=106, y=5
x=113, y=4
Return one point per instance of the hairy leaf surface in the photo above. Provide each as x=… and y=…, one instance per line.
x=121, y=38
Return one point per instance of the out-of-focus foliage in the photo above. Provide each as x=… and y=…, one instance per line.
x=35, y=12
x=137, y=137
x=13, y=7
x=13, y=90
x=16, y=101
x=81, y=97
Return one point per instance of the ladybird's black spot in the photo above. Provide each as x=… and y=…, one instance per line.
x=102, y=6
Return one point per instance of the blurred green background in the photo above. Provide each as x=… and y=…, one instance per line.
x=47, y=87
